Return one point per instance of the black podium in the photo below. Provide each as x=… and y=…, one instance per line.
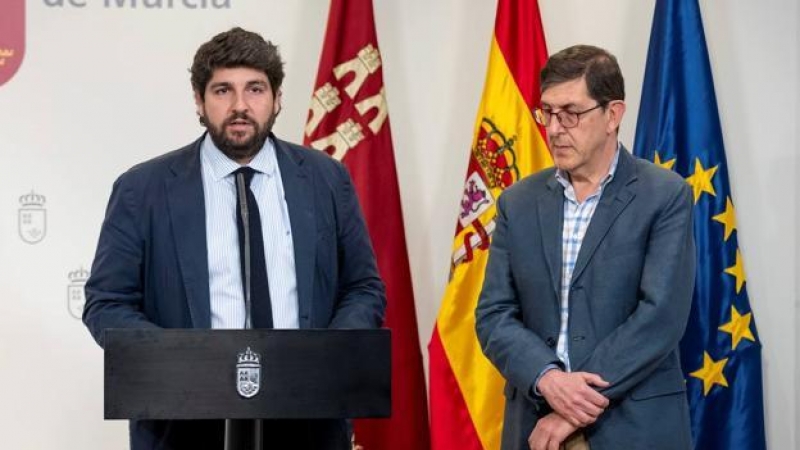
x=247, y=374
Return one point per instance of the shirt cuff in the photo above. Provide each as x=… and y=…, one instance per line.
x=547, y=368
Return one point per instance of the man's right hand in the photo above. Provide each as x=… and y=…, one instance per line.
x=572, y=396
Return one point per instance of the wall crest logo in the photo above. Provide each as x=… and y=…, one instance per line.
x=32, y=218
x=12, y=38
x=248, y=373
x=76, y=298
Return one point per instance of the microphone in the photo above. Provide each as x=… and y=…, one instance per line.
x=244, y=213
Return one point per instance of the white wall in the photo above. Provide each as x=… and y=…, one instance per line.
x=796, y=115
x=102, y=88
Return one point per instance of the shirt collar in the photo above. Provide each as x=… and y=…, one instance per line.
x=221, y=166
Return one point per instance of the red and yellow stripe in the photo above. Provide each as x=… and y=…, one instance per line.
x=466, y=399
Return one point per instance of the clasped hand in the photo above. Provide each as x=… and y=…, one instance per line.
x=575, y=404
x=573, y=395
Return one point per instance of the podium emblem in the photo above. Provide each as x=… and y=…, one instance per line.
x=248, y=373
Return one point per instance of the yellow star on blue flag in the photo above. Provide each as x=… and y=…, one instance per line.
x=738, y=327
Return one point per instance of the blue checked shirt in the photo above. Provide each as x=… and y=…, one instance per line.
x=577, y=217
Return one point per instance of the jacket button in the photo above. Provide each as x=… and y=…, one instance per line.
x=551, y=342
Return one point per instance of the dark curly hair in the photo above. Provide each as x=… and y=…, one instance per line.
x=236, y=48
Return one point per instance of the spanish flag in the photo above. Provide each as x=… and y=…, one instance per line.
x=466, y=391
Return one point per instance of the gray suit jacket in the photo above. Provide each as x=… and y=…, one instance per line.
x=629, y=302
x=151, y=270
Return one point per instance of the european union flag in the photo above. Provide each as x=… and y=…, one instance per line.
x=679, y=129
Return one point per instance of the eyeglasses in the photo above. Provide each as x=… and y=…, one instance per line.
x=567, y=119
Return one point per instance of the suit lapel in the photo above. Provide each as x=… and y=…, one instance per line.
x=298, y=187
x=551, y=219
x=616, y=196
x=187, y=213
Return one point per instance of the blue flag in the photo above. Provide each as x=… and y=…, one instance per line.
x=679, y=129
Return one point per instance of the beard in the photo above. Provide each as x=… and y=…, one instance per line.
x=231, y=145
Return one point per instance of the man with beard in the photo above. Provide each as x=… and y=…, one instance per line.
x=589, y=280
x=169, y=253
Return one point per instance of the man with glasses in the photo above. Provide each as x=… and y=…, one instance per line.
x=589, y=280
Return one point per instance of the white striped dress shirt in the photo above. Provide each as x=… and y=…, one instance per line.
x=224, y=268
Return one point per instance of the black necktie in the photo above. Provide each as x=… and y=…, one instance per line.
x=251, y=253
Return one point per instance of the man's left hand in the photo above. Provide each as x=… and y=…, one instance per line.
x=550, y=432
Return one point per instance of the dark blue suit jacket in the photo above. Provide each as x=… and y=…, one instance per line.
x=151, y=267
x=629, y=303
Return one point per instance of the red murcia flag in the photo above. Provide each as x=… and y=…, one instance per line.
x=348, y=119
x=12, y=37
